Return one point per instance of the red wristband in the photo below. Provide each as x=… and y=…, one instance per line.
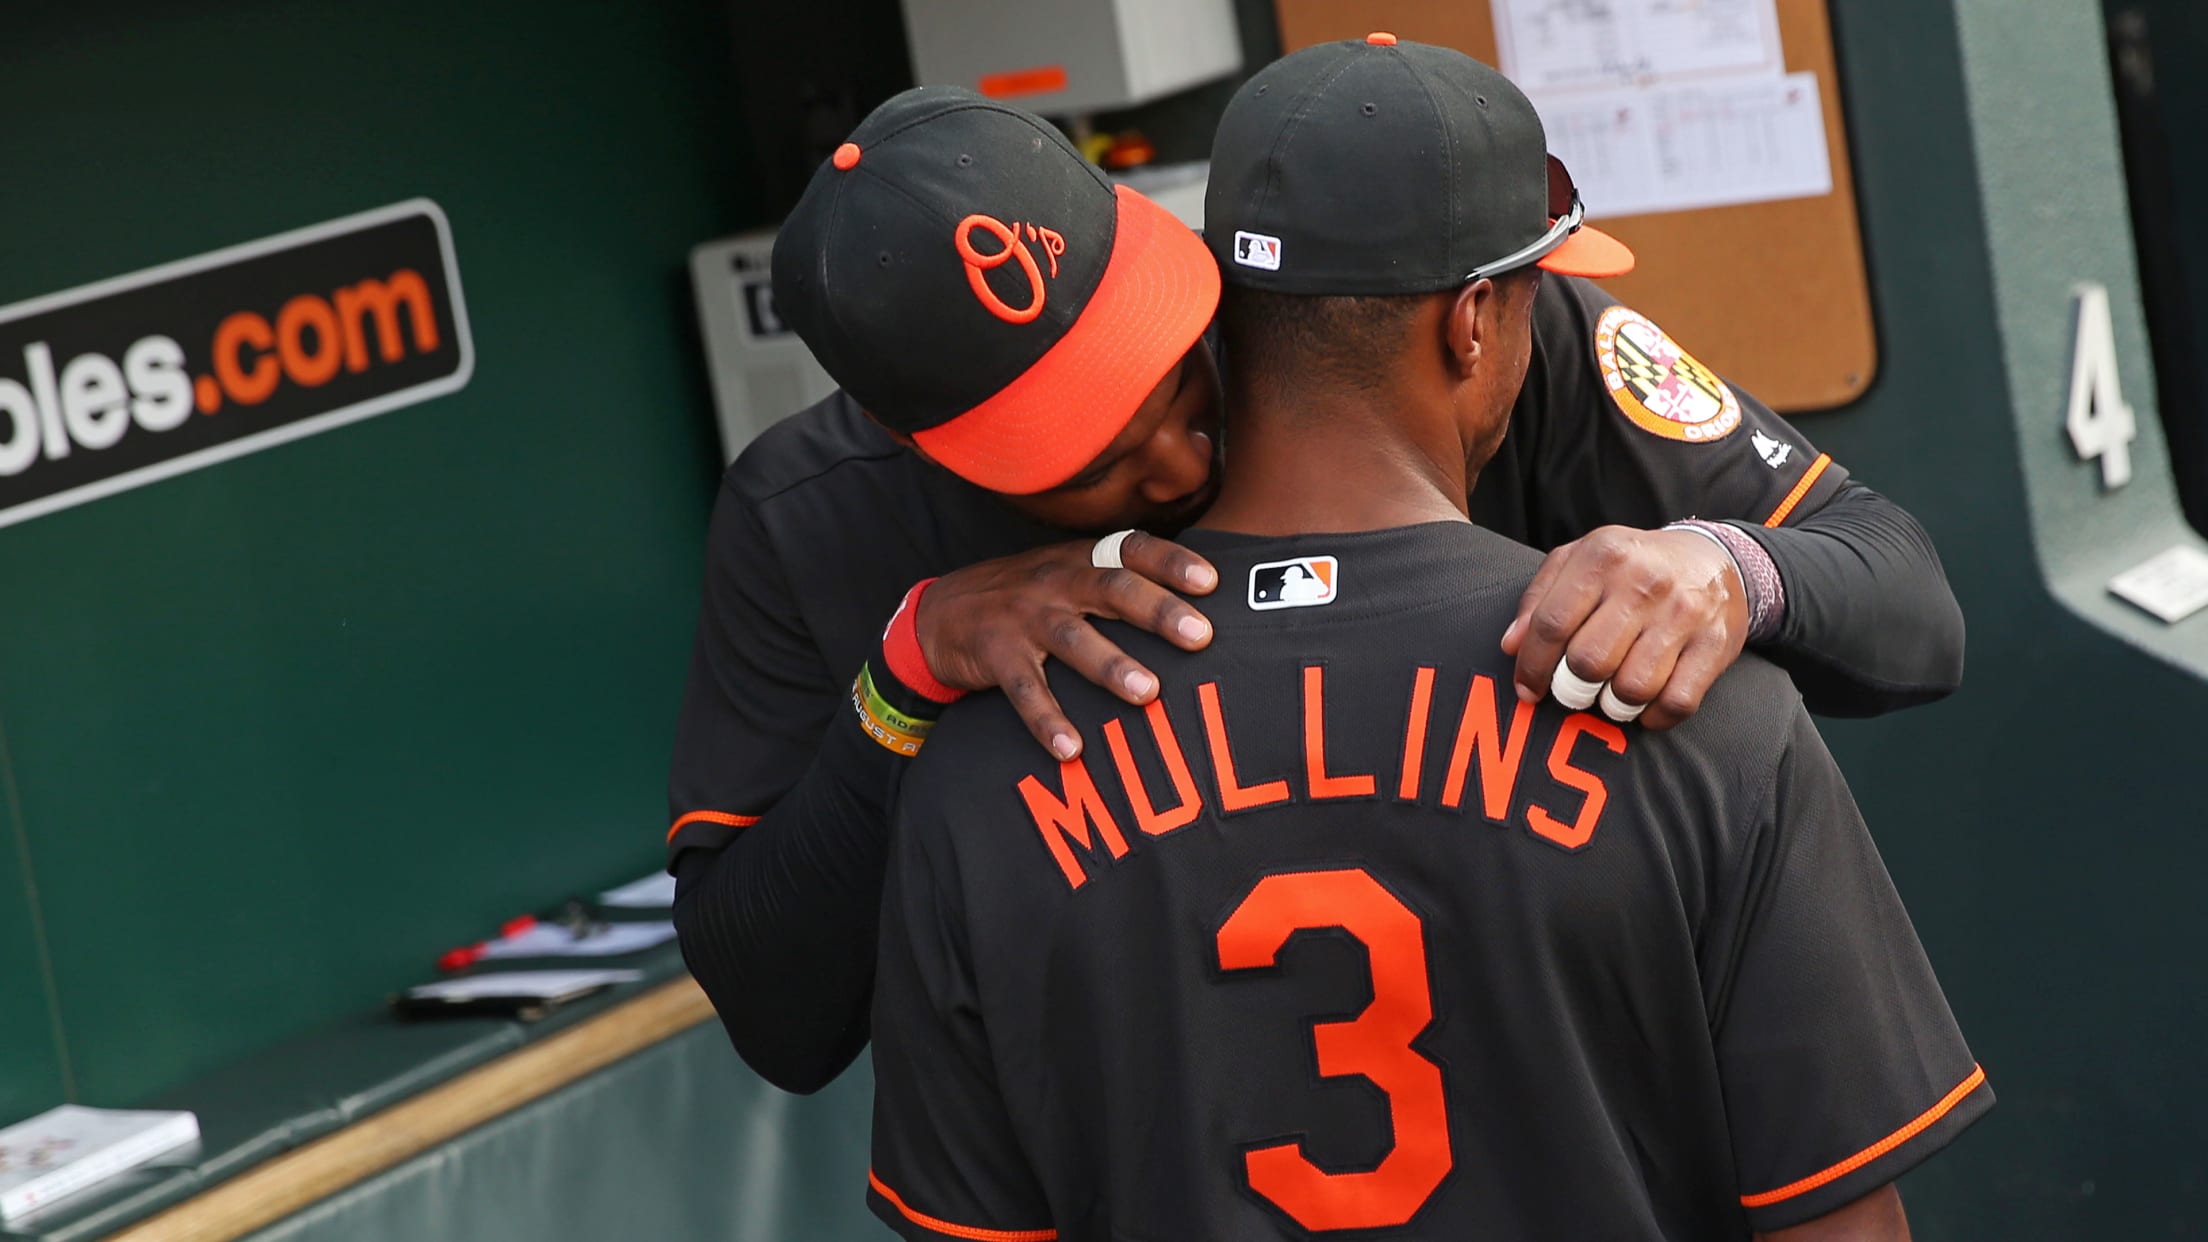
x=901, y=651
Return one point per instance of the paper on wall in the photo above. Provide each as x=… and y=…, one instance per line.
x=1681, y=148
x=1553, y=45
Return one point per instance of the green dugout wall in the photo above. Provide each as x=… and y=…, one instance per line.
x=2043, y=824
x=279, y=729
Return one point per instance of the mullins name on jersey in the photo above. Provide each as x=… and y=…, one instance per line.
x=1483, y=765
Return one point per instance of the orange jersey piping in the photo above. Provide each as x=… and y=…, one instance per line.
x=1801, y=489
x=712, y=817
x=926, y=1221
x=1874, y=1151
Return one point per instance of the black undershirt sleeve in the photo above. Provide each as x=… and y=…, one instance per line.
x=778, y=799
x=779, y=925
x=1870, y=625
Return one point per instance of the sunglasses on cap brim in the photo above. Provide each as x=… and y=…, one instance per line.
x=1566, y=215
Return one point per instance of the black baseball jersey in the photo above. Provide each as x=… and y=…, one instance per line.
x=824, y=522
x=1339, y=938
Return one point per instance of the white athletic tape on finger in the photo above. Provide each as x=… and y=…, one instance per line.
x=1105, y=555
x=1618, y=709
x=1572, y=690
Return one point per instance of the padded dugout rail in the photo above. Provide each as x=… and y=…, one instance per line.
x=628, y=1110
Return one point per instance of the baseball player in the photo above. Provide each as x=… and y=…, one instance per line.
x=1339, y=935
x=1022, y=354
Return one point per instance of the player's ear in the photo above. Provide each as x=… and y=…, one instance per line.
x=1469, y=324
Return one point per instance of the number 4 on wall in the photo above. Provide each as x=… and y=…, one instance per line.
x=2099, y=422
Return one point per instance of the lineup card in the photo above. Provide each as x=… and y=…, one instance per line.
x=1564, y=45
x=1682, y=148
x=1668, y=105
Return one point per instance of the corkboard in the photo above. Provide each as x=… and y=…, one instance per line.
x=1772, y=295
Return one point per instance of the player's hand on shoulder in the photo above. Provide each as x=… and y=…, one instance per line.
x=1651, y=617
x=993, y=624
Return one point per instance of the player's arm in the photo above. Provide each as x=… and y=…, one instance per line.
x=1869, y=623
x=1841, y=1064
x=1625, y=434
x=947, y=1163
x=780, y=786
x=779, y=797
x=1876, y=1217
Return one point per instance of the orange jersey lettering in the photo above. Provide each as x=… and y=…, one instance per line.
x=1061, y=818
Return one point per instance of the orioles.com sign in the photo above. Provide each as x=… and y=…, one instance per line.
x=130, y=380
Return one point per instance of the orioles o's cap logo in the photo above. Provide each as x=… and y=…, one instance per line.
x=1661, y=387
x=1013, y=247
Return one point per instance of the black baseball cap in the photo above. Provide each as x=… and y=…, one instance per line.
x=973, y=282
x=1375, y=166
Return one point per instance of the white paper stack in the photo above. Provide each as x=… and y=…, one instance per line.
x=546, y=985
x=71, y=1148
x=654, y=892
x=597, y=940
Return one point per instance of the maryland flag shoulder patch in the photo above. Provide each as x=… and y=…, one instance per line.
x=1664, y=389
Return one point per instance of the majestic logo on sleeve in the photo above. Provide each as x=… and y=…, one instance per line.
x=1774, y=452
x=1303, y=583
x=1660, y=386
x=1012, y=247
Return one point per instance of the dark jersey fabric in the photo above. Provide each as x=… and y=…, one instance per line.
x=1632, y=985
x=825, y=522
x=777, y=807
x=1573, y=461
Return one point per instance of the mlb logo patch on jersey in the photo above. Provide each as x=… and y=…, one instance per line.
x=1305, y=582
x=1257, y=250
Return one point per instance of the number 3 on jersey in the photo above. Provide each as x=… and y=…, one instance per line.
x=1376, y=1045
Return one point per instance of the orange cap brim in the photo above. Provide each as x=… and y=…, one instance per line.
x=1589, y=252
x=1158, y=294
